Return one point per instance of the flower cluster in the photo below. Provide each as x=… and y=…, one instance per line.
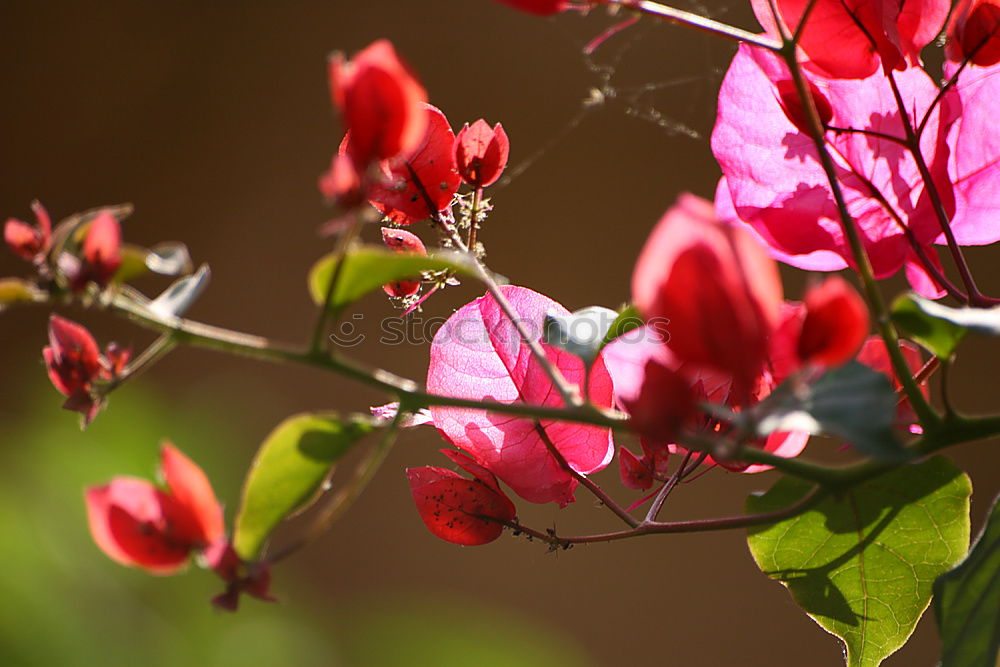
x=837, y=151
x=400, y=154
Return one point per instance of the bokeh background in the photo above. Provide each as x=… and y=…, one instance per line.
x=214, y=120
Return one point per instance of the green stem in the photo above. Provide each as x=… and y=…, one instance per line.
x=950, y=431
x=346, y=240
x=197, y=334
x=477, y=199
x=158, y=349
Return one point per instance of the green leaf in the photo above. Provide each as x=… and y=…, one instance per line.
x=967, y=602
x=627, y=320
x=15, y=290
x=852, y=402
x=862, y=564
x=367, y=268
x=581, y=333
x=938, y=328
x=289, y=470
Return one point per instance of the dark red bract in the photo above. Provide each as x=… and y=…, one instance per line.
x=418, y=187
x=463, y=511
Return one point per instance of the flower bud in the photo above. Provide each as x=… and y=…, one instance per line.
x=402, y=241
x=380, y=102
x=102, y=253
x=716, y=287
x=835, y=325
x=26, y=241
x=481, y=153
x=140, y=525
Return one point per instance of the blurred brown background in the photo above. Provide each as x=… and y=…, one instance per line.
x=214, y=120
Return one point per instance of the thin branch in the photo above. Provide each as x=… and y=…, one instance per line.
x=668, y=486
x=681, y=17
x=568, y=392
x=346, y=496
x=930, y=187
x=925, y=412
x=197, y=334
x=814, y=496
x=868, y=133
x=584, y=480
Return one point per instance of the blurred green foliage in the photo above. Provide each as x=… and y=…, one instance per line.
x=62, y=602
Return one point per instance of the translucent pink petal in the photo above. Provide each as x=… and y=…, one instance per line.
x=975, y=155
x=478, y=354
x=778, y=186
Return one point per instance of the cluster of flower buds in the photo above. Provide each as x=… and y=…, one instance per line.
x=400, y=154
x=99, y=256
x=77, y=367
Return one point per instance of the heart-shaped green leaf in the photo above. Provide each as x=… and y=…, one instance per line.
x=862, y=563
x=967, y=602
x=367, y=268
x=289, y=470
